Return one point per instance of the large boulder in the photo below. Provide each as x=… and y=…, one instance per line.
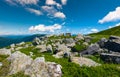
x=49, y=48
x=82, y=61
x=19, y=62
x=40, y=68
x=36, y=41
x=42, y=48
x=68, y=40
x=63, y=47
x=92, y=49
x=113, y=44
x=33, y=68
x=110, y=57
x=5, y=51
x=79, y=37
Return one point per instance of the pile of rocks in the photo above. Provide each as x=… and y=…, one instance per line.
x=33, y=68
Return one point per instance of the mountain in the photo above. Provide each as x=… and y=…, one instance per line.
x=111, y=31
x=10, y=39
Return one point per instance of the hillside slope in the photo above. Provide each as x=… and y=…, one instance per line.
x=111, y=31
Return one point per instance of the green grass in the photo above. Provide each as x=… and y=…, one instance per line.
x=5, y=67
x=70, y=69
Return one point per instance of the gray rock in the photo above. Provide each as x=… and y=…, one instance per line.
x=102, y=42
x=87, y=38
x=79, y=37
x=49, y=48
x=5, y=51
x=110, y=57
x=92, y=49
x=113, y=44
x=19, y=62
x=42, y=48
x=68, y=41
x=84, y=61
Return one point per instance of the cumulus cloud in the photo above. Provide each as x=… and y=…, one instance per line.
x=49, y=9
x=44, y=28
x=53, y=12
x=59, y=15
x=37, y=12
x=64, y=2
x=111, y=16
x=94, y=30
x=52, y=2
x=23, y=2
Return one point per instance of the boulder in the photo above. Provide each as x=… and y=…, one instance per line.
x=82, y=61
x=49, y=48
x=68, y=40
x=110, y=57
x=87, y=38
x=36, y=41
x=5, y=51
x=34, y=68
x=79, y=37
x=92, y=49
x=42, y=48
x=113, y=44
x=40, y=68
x=19, y=62
x=102, y=42
x=63, y=47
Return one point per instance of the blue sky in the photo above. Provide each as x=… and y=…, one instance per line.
x=58, y=16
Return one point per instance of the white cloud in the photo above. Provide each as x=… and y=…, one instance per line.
x=94, y=30
x=49, y=9
x=111, y=16
x=23, y=2
x=43, y=28
x=37, y=12
x=52, y=2
x=59, y=15
x=53, y=12
x=64, y=2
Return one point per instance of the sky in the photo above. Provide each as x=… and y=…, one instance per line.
x=58, y=16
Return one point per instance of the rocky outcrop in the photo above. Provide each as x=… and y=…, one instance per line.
x=5, y=51
x=113, y=44
x=33, y=68
x=92, y=49
x=82, y=61
x=19, y=62
x=110, y=57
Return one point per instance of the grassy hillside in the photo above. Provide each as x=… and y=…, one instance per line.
x=106, y=33
x=111, y=31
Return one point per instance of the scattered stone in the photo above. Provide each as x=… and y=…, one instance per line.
x=79, y=37
x=92, y=49
x=49, y=48
x=111, y=57
x=84, y=61
x=87, y=38
x=42, y=48
x=5, y=51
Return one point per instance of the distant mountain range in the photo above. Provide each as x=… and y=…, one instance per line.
x=6, y=40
